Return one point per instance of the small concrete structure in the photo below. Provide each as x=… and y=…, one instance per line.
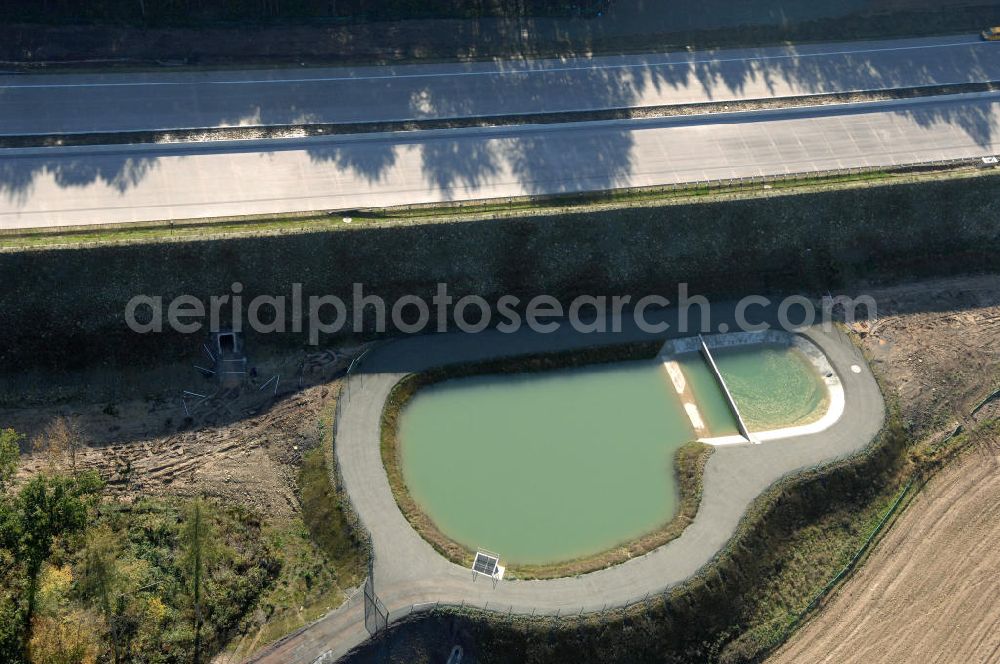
x=707, y=354
x=674, y=347
x=230, y=358
x=686, y=395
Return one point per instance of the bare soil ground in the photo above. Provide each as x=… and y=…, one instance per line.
x=243, y=446
x=937, y=343
x=928, y=590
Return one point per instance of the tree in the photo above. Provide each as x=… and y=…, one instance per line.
x=69, y=640
x=100, y=582
x=11, y=623
x=10, y=454
x=60, y=443
x=196, y=540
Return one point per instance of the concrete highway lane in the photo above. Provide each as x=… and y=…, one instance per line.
x=54, y=104
x=110, y=184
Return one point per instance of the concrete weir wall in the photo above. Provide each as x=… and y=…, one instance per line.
x=740, y=424
x=64, y=308
x=703, y=345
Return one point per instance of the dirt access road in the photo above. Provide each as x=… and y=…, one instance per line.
x=928, y=592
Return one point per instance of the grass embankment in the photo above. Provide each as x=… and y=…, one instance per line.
x=265, y=34
x=796, y=238
x=228, y=14
x=320, y=555
x=319, y=558
x=689, y=460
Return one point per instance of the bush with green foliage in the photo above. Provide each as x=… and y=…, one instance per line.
x=85, y=579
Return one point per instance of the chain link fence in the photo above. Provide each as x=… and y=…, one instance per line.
x=336, y=478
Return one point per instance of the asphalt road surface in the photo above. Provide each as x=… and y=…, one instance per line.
x=44, y=187
x=55, y=104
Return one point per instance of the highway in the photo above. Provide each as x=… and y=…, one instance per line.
x=110, y=184
x=121, y=183
x=57, y=104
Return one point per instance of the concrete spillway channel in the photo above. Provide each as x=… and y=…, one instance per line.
x=741, y=425
x=707, y=398
x=669, y=354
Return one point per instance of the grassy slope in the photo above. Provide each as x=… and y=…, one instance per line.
x=462, y=39
x=321, y=560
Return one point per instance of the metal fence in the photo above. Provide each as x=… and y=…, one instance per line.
x=343, y=496
x=376, y=615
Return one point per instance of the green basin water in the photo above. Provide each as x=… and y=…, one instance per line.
x=546, y=467
x=708, y=395
x=551, y=466
x=773, y=386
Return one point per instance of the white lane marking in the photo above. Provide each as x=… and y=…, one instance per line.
x=498, y=72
